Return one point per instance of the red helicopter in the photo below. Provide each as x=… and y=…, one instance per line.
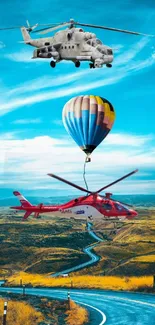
x=90, y=206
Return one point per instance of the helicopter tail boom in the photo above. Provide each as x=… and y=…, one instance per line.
x=25, y=34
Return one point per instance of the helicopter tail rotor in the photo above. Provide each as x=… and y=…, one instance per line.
x=29, y=27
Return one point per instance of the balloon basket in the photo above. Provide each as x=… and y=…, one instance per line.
x=88, y=159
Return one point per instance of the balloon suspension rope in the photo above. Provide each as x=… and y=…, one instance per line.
x=84, y=173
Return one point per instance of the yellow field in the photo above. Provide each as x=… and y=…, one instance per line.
x=20, y=313
x=85, y=281
x=144, y=258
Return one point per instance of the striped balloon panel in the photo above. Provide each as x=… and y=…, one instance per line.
x=88, y=119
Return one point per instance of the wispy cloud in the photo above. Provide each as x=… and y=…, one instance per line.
x=46, y=82
x=57, y=122
x=129, y=55
x=8, y=135
x=40, y=91
x=2, y=45
x=27, y=121
x=123, y=139
x=24, y=56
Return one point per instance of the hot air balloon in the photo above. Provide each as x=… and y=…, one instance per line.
x=88, y=119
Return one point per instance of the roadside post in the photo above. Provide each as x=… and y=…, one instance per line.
x=23, y=289
x=5, y=313
x=71, y=284
x=69, y=305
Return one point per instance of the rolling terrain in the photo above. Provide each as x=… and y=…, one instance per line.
x=130, y=248
x=50, y=244
x=41, y=246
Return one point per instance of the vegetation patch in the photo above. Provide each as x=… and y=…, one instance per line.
x=44, y=310
x=76, y=315
x=20, y=313
x=42, y=246
x=85, y=281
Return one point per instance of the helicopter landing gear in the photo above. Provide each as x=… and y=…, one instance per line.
x=90, y=218
x=77, y=64
x=91, y=65
x=52, y=64
x=109, y=65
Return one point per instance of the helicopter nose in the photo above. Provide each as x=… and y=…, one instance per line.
x=133, y=214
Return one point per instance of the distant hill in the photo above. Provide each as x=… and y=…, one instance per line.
x=137, y=200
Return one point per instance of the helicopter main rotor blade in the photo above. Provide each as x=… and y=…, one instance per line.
x=69, y=183
x=118, y=180
x=7, y=28
x=114, y=29
x=28, y=26
x=50, y=29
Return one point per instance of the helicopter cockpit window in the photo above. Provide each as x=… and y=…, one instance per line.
x=94, y=42
x=107, y=206
x=47, y=43
x=101, y=49
x=98, y=41
x=109, y=51
x=120, y=207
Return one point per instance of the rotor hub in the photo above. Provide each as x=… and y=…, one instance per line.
x=108, y=195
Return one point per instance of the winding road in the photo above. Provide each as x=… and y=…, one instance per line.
x=88, y=250
x=105, y=307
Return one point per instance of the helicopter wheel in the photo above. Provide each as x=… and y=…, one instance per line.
x=77, y=64
x=52, y=64
x=109, y=65
x=91, y=65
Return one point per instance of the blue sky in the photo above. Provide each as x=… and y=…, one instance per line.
x=33, y=141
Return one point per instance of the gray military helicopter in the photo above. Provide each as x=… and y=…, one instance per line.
x=72, y=44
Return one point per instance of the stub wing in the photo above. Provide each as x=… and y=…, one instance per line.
x=49, y=51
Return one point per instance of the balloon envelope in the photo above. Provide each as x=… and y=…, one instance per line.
x=88, y=119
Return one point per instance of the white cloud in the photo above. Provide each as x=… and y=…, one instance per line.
x=2, y=45
x=26, y=162
x=27, y=121
x=127, y=139
x=127, y=56
x=46, y=82
x=23, y=56
x=8, y=135
x=117, y=48
x=57, y=122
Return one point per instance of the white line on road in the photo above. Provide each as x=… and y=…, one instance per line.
x=98, y=310
x=117, y=298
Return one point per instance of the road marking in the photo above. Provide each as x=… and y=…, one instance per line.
x=98, y=310
x=117, y=298
x=100, y=296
